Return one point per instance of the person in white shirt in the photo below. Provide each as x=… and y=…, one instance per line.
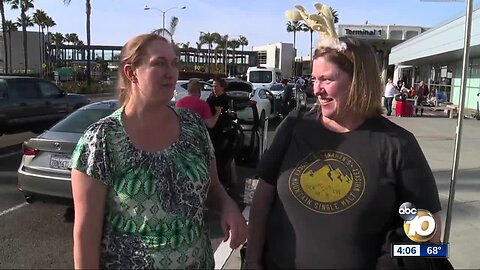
x=390, y=91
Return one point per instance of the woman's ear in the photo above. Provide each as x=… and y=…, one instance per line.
x=130, y=73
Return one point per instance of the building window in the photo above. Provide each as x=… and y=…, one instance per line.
x=410, y=34
x=396, y=34
x=262, y=57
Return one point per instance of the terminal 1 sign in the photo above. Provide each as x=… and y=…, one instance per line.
x=363, y=32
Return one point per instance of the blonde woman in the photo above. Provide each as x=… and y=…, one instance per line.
x=142, y=177
x=332, y=180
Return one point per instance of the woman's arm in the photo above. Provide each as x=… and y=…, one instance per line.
x=89, y=200
x=210, y=122
x=232, y=221
x=259, y=212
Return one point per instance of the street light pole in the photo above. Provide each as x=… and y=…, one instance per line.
x=458, y=137
x=226, y=46
x=163, y=23
x=146, y=7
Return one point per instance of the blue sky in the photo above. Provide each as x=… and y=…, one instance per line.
x=113, y=22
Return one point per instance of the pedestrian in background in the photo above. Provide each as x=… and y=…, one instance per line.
x=193, y=102
x=388, y=95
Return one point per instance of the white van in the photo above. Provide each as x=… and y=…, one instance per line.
x=263, y=76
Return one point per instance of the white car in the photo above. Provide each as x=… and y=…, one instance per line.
x=263, y=98
x=181, y=90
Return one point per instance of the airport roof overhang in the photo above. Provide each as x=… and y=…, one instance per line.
x=441, y=44
x=443, y=58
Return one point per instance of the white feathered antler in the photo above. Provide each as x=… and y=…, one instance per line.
x=321, y=21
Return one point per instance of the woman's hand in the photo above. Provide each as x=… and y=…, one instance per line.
x=233, y=224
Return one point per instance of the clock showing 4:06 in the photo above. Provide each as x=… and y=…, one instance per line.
x=420, y=250
x=404, y=250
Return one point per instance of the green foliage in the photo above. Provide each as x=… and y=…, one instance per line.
x=80, y=87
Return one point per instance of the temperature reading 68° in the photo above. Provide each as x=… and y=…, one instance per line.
x=433, y=250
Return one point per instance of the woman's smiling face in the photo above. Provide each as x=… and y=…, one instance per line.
x=331, y=85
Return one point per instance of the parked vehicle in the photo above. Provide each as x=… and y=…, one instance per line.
x=300, y=97
x=33, y=104
x=251, y=131
x=263, y=76
x=45, y=167
x=262, y=97
x=182, y=86
x=44, y=172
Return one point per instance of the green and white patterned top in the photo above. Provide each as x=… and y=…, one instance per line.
x=154, y=209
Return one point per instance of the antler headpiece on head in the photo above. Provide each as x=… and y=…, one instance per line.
x=321, y=22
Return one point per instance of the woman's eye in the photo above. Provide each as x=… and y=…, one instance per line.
x=160, y=64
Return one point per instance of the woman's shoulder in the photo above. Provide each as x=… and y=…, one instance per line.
x=108, y=123
x=187, y=116
x=382, y=125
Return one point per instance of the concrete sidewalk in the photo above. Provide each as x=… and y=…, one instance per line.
x=436, y=136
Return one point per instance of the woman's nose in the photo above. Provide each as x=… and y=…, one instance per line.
x=318, y=89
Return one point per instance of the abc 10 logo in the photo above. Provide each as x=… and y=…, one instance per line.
x=419, y=224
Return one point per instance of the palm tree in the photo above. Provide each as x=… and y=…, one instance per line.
x=294, y=26
x=208, y=38
x=9, y=28
x=334, y=15
x=234, y=44
x=173, y=27
x=199, y=47
x=71, y=39
x=57, y=39
x=162, y=32
x=243, y=42
x=48, y=24
x=24, y=6
x=81, y=52
x=40, y=18
x=88, y=11
x=221, y=42
x=4, y=30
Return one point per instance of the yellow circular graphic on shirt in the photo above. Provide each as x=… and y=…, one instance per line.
x=327, y=182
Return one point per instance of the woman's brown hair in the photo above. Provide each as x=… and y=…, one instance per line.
x=133, y=53
x=359, y=61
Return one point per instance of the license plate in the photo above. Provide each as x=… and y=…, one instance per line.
x=62, y=162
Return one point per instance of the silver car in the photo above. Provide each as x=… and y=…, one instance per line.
x=45, y=168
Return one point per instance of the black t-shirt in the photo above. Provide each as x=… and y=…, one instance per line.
x=223, y=120
x=287, y=94
x=339, y=193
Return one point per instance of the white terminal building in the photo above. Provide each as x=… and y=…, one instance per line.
x=382, y=37
x=412, y=53
x=279, y=55
x=436, y=57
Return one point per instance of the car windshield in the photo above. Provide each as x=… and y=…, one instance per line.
x=79, y=120
x=260, y=77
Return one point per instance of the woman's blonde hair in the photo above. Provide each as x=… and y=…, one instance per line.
x=133, y=53
x=359, y=61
